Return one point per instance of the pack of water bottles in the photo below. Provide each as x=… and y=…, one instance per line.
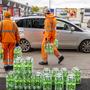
x=49, y=47
x=20, y=77
x=53, y=79
x=14, y=81
x=48, y=79
x=77, y=73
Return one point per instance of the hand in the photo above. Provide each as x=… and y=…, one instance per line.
x=47, y=40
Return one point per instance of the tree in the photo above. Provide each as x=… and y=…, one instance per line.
x=5, y=2
x=35, y=9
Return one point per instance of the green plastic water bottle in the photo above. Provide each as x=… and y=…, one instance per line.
x=59, y=81
x=29, y=84
x=20, y=83
x=16, y=87
x=30, y=64
x=33, y=82
x=54, y=72
x=16, y=81
x=71, y=82
x=65, y=73
x=47, y=82
x=77, y=73
x=38, y=80
x=51, y=50
x=1, y=52
x=10, y=81
x=56, y=42
x=26, y=84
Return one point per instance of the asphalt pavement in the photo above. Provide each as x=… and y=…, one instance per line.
x=72, y=58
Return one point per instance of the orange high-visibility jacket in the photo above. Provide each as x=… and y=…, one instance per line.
x=50, y=26
x=9, y=31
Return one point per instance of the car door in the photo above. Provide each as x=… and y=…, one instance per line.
x=35, y=33
x=21, y=26
x=67, y=38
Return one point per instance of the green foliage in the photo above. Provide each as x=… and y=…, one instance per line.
x=35, y=9
x=5, y=1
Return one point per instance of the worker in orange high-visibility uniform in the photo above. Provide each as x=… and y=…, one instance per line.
x=9, y=37
x=49, y=36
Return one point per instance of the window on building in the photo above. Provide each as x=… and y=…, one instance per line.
x=87, y=12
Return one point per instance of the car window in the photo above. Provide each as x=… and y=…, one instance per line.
x=21, y=23
x=76, y=27
x=62, y=25
x=38, y=23
x=28, y=23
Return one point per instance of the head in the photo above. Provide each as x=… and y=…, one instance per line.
x=47, y=11
x=7, y=14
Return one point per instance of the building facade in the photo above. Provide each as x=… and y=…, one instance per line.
x=16, y=9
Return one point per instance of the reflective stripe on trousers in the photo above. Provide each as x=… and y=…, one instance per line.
x=8, y=53
x=8, y=62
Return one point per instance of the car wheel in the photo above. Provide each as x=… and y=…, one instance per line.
x=85, y=46
x=25, y=45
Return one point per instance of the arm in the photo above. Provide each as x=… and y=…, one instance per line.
x=54, y=27
x=47, y=29
x=16, y=33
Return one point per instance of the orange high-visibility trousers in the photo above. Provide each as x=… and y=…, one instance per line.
x=44, y=54
x=8, y=53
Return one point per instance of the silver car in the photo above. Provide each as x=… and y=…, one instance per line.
x=69, y=35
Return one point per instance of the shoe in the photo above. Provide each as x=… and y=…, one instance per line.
x=6, y=68
x=11, y=67
x=60, y=59
x=43, y=63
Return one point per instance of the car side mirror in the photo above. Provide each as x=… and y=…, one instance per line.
x=72, y=29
